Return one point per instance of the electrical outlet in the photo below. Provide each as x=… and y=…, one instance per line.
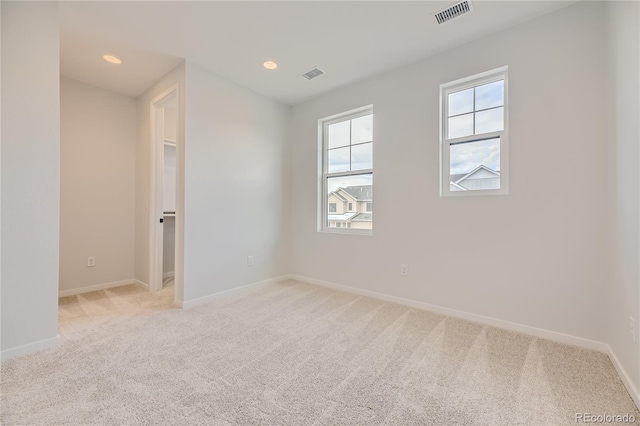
x=249, y=260
x=404, y=269
x=632, y=327
x=91, y=261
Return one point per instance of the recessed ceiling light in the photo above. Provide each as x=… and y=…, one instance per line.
x=112, y=59
x=270, y=65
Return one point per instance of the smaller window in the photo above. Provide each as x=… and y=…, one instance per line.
x=332, y=208
x=350, y=206
x=338, y=225
x=369, y=207
x=474, y=140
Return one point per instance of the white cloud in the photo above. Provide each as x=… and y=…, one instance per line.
x=465, y=157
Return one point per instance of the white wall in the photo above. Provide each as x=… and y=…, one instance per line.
x=534, y=257
x=143, y=172
x=30, y=176
x=623, y=25
x=97, y=185
x=237, y=151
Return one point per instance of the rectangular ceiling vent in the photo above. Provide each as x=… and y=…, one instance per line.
x=454, y=11
x=313, y=73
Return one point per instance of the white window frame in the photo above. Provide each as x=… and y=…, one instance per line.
x=445, y=143
x=323, y=132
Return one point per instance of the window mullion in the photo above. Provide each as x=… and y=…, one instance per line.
x=350, y=140
x=349, y=173
x=474, y=138
x=474, y=110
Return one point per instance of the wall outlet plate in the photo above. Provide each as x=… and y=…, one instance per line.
x=91, y=261
x=404, y=269
x=249, y=260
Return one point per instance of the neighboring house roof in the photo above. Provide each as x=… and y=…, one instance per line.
x=351, y=217
x=461, y=188
x=341, y=217
x=338, y=196
x=360, y=193
x=363, y=217
x=457, y=178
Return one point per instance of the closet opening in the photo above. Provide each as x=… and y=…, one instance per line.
x=165, y=216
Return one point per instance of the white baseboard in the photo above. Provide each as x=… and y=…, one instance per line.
x=103, y=286
x=145, y=285
x=30, y=348
x=167, y=275
x=210, y=298
x=494, y=322
x=633, y=391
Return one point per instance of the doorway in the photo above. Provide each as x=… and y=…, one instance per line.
x=165, y=216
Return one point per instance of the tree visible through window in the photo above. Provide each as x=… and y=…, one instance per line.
x=474, y=135
x=346, y=191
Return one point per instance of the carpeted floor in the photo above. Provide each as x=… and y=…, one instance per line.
x=297, y=354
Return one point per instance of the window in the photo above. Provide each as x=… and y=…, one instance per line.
x=338, y=225
x=474, y=143
x=369, y=207
x=346, y=171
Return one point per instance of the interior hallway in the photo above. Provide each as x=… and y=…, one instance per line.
x=88, y=313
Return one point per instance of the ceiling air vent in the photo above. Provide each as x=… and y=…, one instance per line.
x=313, y=73
x=454, y=11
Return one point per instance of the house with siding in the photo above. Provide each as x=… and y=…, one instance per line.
x=482, y=177
x=351, y=207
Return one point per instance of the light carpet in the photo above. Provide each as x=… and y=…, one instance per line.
x=297, y=354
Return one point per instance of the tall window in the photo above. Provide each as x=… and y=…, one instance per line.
x=346, y=171
x=474, y=144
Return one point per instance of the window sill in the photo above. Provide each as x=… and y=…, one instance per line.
x=477, y=192
x=347, y=231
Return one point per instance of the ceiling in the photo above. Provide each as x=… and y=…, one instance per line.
x=349, y=40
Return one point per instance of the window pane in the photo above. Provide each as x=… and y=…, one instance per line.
x=491, y=120
x=461, y=102
x=339, y=134
x=475, y=165
x=460, y=126
x=362, y=129
x=357, y=190
x=490, y=95
x=338, y=160
x=362, y=156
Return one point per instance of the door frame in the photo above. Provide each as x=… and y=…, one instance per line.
x=156, y=238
